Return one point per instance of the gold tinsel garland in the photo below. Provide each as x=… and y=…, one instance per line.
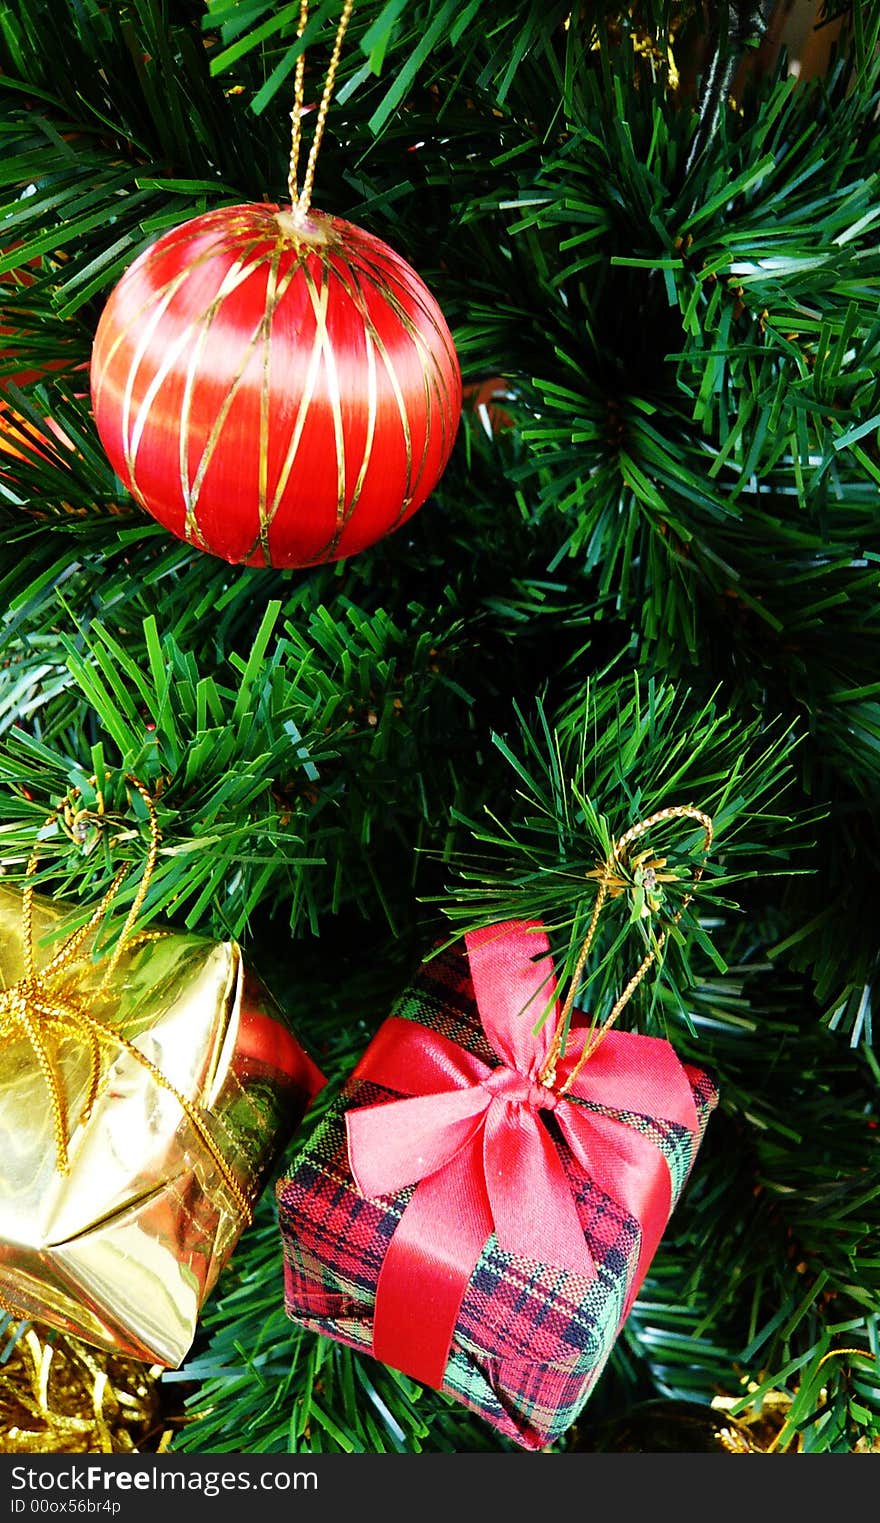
x=59, y=1397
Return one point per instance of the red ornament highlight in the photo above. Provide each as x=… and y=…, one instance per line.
x=279, y=392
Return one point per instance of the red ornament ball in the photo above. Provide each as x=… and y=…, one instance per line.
x=277, y=392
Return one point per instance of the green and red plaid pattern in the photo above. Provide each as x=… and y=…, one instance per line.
x=531, y=1339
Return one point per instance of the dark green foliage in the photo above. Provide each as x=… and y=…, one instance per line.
x=656, y=582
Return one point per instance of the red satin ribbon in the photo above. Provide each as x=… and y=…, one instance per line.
x=473, y=1138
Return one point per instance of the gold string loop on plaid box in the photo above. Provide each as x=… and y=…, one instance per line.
x=611, y=879
x=301, y=200
x=36, y=1006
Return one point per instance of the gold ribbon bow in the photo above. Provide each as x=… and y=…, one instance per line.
x=46, y=1001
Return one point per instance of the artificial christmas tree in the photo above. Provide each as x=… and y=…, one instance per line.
x=656, y=584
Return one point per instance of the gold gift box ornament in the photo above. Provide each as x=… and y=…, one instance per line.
x=143, y=1101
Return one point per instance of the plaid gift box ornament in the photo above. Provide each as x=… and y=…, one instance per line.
x=481, y=1204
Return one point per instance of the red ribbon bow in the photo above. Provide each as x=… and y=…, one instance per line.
x=474, y=1138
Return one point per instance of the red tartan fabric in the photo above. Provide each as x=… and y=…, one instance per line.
x=530, y=1339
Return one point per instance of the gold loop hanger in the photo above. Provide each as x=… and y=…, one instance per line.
x=608, y=876
x=301, y=200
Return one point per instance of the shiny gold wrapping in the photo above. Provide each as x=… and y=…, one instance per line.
x=123, y=1249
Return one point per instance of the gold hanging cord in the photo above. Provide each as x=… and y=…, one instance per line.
x=301, y=200
x=608, y=876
